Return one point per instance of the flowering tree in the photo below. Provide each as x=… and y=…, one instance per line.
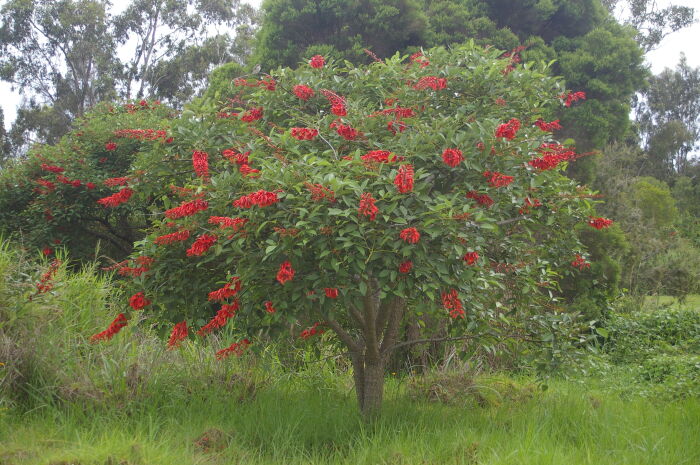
x=346, y=198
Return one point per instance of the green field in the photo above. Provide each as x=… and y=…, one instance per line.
x=295, y=422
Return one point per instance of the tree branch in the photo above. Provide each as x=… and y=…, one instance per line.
x=343, y=335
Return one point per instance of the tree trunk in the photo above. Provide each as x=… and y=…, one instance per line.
x=369, y=384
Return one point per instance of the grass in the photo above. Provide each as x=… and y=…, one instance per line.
x=692, y=302
x=292, y=422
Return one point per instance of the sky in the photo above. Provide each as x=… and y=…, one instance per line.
x=666, y=55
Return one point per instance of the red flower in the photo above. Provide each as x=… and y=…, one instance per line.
x=320, y=192
x=253, y=114
x=552, y=126
x=367, y=206
x=111, y=146
x=339, y=109
x=410, y=235
x=236, y=349
x=222, y=316
x=225, y=222
x=52, y=168
x=451, y=302
x=178, y=236
x=317, y=61
x=269, y=307
x=528, y=204
x=580, y=263
x=226, y=291
x=138, y=301
x=47, y=251
x=143, y=134
x=471, y=258
x=481, y=199
x=496, y=179
x=76, y=183
x=432, y=82
x=303, y=92
x=285, y=273
x=114, y=327
x=200, y=163
x=261, y=198
x=404, y=179
x=179, y=334
x=380, y=156
x=599, y=223
x=114, y=182
x=236, y=156
x=508, y=130
x=452, y=157
x=347, y=132
x=419, y=59
x=331, y=292
x=91, y=185
x=201, y=245
x=312, y=331
x=572, y=97
x=117, y=199
x=406, y=267
x=187, y=209
x=396, y=126
x=304, y=133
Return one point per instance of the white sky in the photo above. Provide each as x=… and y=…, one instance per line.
x=665, y=56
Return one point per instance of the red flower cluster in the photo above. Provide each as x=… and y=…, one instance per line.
x=380, y=156
x=304, y=133
x=187, y=209
x=303, y=92
x=45, y=285
x=117, y=199
x=110, y=146
x=451, y=302
x=143, y=134
x=253, y=114
x=225, y=222
x=452, y=157
x=551, y=126
x=552, y=155
x=226, y=291
x=406, y=267
x=179, y=334
x=410, y=235
x=178, y=236
x=145, y=265
x=138, y=301
x=312, y=331
x=404, y=179
x=236, y=349
x=508, y=130
x=337, y=102
x=268, y=83
x=52, y=168
x=114, y=182
x=599, y=223
x=331, y=292
x=317, y=62
x=496, y=179
x=572, y=97
x=470, y=258
x=320, y=192
x=481, y=199
x=261, y=198
x=396, y=126
x=47, y=184
x=347, y=132
x=432, y=82
x=201, y=245
x=114, y=327
x=235, y=156
x=222, y=316
x=419, y=59
x=580, y=263
x=285, y=273
x=269, y=308
x=529, y=204
x=367, y=206
x=398, y=112
x=200, y=163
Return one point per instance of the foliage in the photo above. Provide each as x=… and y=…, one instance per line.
x=49, y=210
